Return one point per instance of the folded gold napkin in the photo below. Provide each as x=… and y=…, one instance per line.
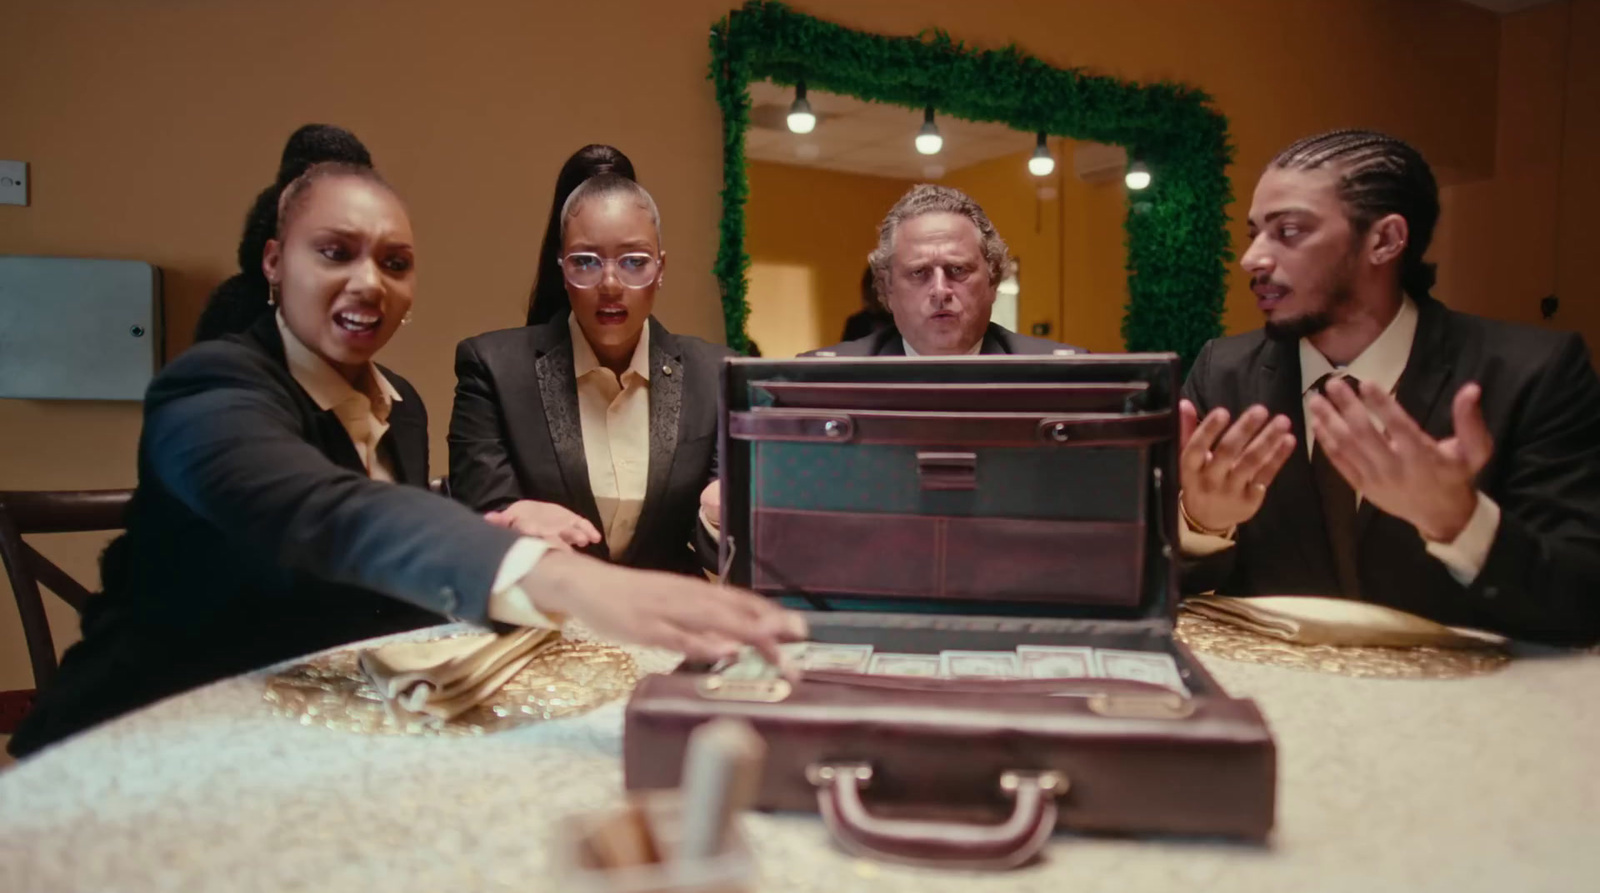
x=441, y=679
x=1315, y=620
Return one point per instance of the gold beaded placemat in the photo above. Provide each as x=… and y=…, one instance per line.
x=1205, y=635
x=566, y=678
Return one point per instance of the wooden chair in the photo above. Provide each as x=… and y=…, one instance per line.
x=44, y=511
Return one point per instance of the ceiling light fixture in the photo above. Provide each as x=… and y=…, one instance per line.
x=1042, y=164
x=801, y=118
x=929, y=142
x=1138, y=176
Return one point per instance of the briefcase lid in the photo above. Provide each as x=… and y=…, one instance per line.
x=992, y=485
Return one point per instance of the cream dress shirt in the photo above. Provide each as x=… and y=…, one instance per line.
x=615, y=416
x=365, y=416
x=1382, y=363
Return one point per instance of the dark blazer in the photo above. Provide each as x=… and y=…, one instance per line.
x=996, y=340
x=1541, y=401
x=255, y=536
x=515, y=434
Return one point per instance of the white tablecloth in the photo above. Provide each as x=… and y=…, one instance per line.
x=1488, y=783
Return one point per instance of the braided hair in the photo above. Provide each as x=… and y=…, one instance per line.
x=1378, y=175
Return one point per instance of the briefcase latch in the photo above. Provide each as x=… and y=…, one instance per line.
x=1153, y=706
x=760, y=691
x=947, y=471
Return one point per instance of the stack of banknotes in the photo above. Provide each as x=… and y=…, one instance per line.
x=1026, y=662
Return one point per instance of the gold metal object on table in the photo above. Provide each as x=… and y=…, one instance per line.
x=567, y=678
x=1207, y=636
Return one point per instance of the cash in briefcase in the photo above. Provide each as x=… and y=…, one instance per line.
x=978, y=504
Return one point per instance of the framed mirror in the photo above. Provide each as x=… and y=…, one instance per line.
x=1174, y=228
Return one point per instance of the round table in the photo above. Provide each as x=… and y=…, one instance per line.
x=1485, y=783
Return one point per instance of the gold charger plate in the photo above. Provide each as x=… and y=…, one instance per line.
x=1204, y=635
x=567, y=678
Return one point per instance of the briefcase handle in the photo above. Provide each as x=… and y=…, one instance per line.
x=952, y=845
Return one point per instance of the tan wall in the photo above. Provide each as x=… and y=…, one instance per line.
x=809, y=232
x=1577, y=280
x=150, y=126
x=1503, y=238
x=1030, y=224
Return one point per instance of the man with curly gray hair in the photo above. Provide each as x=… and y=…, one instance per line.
x=937, y=269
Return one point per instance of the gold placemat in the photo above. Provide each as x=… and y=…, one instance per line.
x=567, y=678
x=1207, y=636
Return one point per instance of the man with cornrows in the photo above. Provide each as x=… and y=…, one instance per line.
x=1371, y=443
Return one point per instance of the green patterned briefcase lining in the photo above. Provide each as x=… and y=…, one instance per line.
x=1081, y=484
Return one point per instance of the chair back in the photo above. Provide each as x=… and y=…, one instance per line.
x=25, y=512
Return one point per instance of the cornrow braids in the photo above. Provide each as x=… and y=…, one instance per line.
x=1378, y=175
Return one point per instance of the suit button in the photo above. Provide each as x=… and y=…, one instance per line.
x=1491, y=591
x=448, y=597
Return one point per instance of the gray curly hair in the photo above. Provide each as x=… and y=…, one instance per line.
x=927, y=198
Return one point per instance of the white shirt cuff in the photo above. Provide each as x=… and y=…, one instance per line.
x=508, y=603
x=1196, y=543
x=710, y=524
x=1465, y=557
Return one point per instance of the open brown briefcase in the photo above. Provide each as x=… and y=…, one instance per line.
x=973, y=503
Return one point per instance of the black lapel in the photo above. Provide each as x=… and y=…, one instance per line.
x=335, y=441
x=1295, y=490
x=558, y=391
x=1421, y=385
x=406, y=441
x=995, y=341
x=332, y=438
x=666, y=421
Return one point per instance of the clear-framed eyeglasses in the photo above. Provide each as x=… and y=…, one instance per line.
x=585, y=269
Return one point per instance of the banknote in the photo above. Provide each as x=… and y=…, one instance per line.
x=1055, y=661
x=994, y=664
x=1154, y=667
x=829, y=656
x=750, y=664
x=888, y=663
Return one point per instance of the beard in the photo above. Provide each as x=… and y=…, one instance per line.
x=1339, y=289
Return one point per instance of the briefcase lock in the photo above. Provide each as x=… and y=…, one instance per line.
x=759, y=691
x=1165, y=706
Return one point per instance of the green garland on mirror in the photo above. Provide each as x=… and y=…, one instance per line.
x=1177, y=239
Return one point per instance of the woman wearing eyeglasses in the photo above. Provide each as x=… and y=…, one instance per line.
x=597, y=429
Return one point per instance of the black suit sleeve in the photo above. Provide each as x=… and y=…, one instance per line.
x=1197, y=384
x=1542, y=576
x=222, y=436
x=481, y=476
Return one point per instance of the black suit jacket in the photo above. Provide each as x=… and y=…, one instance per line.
x=255, y=536
x=515, y=434
x=996, y=340
x=1541, y=401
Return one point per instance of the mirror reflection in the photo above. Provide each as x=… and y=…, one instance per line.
x=824, y=169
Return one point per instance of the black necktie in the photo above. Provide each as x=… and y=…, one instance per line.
x=1338, y=508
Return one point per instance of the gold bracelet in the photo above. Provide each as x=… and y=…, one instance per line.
x=1196, y=526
